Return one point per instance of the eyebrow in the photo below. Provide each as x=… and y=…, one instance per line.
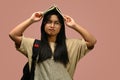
x=54, y=21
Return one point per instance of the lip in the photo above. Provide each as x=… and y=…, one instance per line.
x=51, y=30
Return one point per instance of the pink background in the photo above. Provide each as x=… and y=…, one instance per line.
x=100, y=17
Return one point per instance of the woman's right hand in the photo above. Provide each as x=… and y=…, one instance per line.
x=36, y=16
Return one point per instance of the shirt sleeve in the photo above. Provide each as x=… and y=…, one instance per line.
x=82, y=49
x=77, y=49
x=26, y=46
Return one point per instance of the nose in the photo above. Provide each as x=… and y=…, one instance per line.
x=52, y=25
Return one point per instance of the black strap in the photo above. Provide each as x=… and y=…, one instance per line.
x=35, y=50
x=26, y=73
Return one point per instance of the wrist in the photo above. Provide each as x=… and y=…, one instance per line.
x=75, y=26
x=30, y=20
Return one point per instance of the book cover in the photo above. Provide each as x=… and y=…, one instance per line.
x=52, y=8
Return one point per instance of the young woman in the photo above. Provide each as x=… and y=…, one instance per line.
x=58, y=55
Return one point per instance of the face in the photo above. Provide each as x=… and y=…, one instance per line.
x=53, y=26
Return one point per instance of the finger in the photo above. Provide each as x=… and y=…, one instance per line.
x=66, y=18
x=41, y=13
x=37, y=14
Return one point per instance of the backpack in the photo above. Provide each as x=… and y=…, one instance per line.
x=27, y=74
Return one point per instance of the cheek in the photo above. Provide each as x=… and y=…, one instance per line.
x=58, y=29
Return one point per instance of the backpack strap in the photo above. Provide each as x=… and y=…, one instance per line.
x=35, y=50
x=26, y=72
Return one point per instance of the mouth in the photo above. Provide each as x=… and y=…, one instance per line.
x=51, y=30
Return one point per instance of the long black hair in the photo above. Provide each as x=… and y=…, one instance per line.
x=60, y=53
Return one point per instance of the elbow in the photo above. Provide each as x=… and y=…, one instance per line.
x=11, y=35
x=92, y=44
x=15, y=38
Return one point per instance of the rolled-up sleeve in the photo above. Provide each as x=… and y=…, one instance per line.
x=82, y=49
x=26, y=46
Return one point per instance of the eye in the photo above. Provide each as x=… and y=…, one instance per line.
x=58, y=23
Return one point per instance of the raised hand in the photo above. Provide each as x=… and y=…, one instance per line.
x=69, y=21
x=36, y=16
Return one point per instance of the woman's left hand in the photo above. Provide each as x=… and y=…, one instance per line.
x=69, y=21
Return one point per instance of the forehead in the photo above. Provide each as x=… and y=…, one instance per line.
x=54, y=17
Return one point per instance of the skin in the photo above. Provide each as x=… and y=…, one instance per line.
x=16, y=33
x=52, y=28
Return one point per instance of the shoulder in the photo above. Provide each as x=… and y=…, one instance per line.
x=75, y=41
x=76, y=45
x=25, y=41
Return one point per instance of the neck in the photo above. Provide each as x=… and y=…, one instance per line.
x=51, y=38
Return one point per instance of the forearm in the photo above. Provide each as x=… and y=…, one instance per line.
x=89, y=38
